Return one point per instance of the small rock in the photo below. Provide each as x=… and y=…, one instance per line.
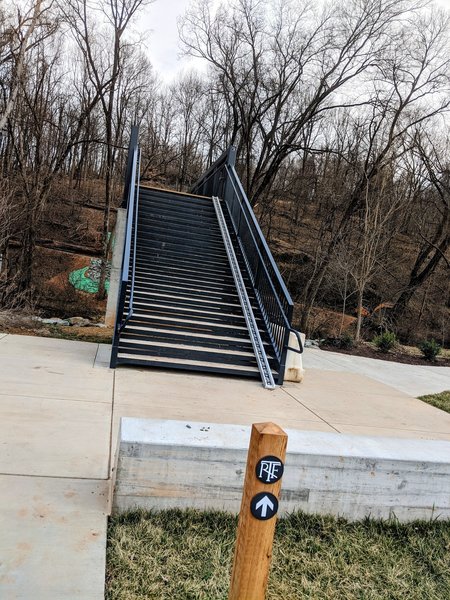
x=312, y=343
x=55, y=321
x=99, y=325
x=79, y=322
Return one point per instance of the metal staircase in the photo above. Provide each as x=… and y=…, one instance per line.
x=188, y=298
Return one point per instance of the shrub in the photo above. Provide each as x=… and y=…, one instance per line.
x=430, y=349
x=385, y=341
x=345, y=341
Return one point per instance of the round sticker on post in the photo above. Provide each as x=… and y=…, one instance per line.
x=264, y=506
x=269, y=469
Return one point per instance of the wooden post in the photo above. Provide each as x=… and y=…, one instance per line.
x=253, y=551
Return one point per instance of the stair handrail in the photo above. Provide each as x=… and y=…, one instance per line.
x=130, y=219
x=130, y=200
x=228, y=159
x=263, y=266
x=273, y=297
x=135, y=218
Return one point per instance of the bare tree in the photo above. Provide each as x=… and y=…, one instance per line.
x=42, y=130
x=103, y=51
x=378, y=225
x=188, y=96
x=282, y=66
x=433, y=228
x=412, y=89
x=16, y=39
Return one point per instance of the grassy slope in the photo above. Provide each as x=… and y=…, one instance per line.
x=180, y=555
x=441, y=400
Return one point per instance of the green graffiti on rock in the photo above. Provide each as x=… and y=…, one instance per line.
x=87, y=278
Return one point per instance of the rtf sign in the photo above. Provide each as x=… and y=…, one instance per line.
x=269, y=469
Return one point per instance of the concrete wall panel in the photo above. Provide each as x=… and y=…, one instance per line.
x=165, y=464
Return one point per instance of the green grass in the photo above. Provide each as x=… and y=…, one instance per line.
x=186, y=555
x=441, y=400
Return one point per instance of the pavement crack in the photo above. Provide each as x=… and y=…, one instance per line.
x=96, y=354
x=310, y=410
x=112, y=422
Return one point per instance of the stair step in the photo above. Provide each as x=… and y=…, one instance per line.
x=206, y=356
x=201, y=232
x=174, y=198
x=201, y=279
x=200, y=350
x=186, y=325
x=194, y=352
x=186, y=310
x=155, y=306
x=187, y=365
x=190, y=225
x=187, y=339
x=167, y=263
x=142, y=296
x=195, y=246
x=173, y=281
x=148, y=258
x=166, y=306
x=177, y=210
x=188, y=315
x=180, y=254
x=182, y=288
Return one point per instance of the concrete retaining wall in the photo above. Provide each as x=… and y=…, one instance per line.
x=162, y=464
x=116, y=267
x=294, y=363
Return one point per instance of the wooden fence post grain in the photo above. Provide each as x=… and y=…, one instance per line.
x=257, y=517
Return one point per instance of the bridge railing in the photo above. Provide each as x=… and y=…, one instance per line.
x=130, y=202
x=273, y=297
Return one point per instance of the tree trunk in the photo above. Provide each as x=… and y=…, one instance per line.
x=420, y=273
x=359, y=314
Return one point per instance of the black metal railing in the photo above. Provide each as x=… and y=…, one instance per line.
x=130, y=202
x=274, y=300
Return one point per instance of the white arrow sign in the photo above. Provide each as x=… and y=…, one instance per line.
x=263, y=504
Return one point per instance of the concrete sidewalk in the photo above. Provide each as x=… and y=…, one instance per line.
x=60, y=408
x=55, y=427
x=415, y=380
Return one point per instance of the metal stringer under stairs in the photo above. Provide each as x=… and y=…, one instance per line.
x=255, y=337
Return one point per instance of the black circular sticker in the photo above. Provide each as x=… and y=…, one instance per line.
x=264, y=506
x=269, y=469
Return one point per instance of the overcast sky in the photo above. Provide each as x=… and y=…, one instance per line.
x=160, y=21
